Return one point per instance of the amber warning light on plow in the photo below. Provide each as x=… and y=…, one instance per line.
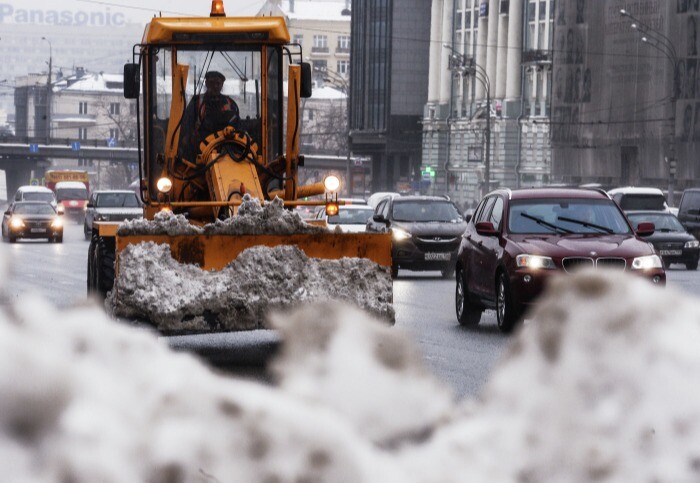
x=217, y=8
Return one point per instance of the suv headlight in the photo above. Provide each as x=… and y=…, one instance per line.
x=398, y=234
x=535, y=261
x=99, y=217
x=57, y=222
x=692, y=244
x=647, y=262
x=16, y=222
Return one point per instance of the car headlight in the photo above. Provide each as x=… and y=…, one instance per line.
x=99, y=217
x=535, y=262
x=57, y=223
x=16, y=222
x=647, y=262
x=692, y=244
x=398, y=234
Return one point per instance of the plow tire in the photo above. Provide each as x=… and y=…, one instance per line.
x=101, y=255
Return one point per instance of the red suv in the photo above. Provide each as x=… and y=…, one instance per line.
x=517, y=239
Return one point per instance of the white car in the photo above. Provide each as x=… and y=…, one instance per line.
x=350, y=218
x=111, y=205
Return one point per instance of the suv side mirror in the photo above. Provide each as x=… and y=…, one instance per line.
x=485, y=228
x=645, y=229
x=131, y=81
x=379, y=218
x=89, y=204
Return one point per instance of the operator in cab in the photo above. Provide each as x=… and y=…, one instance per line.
x=206, y=114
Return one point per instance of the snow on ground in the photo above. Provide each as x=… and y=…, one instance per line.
x=183, y=298
x=598, y=386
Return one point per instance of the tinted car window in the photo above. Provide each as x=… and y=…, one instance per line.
x=497, y=213
x=116, y=200
x=385, y=209
x=484, y=215
x=642, y=202
x=37, y=196
x=690, y=201
x=351, y=217
x=34, y=209
x=380, y=207
x=424, y=211
x=662, y=222
x=566, y=216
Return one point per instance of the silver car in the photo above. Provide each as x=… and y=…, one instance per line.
x=111, y=205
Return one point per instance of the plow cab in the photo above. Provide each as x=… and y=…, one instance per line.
x=218, y=107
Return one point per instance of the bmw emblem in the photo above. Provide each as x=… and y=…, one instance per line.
x=593, y=254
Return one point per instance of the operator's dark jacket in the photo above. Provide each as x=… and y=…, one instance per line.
x=205, y=115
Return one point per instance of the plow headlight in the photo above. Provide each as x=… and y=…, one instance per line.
x=164, y=185
x=331, y=183
x=332, y=209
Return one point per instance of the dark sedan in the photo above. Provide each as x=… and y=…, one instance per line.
x=425, y=232
x=518, y=239
x=32, y=219
x=671, y=240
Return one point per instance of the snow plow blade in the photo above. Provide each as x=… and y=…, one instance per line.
x=214, y=252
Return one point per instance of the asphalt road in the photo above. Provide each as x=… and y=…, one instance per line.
x=424, y=302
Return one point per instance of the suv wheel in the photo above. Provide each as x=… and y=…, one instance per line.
x=468, y=314
x=394, y=272
x=506, y=312
x=692, y=265
x=87, y=233
x=448, y=271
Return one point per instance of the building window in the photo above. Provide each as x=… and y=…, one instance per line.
x=320, y=43
x=320, y=66
x=82, y=108
x=343, y=67
x=343, y=43
x=308, y=115
x=114, y=134
x=114, y=108
x=82, y=131
x=298, y=39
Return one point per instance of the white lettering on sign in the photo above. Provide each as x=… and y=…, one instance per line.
x=105, y=18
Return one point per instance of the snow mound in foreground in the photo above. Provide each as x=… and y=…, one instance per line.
x=252, y=219
x=175, y=297
x=599, y=386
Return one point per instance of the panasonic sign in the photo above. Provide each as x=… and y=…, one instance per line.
x=104, y=18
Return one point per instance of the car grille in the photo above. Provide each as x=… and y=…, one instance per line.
x=576, y=263
x=670, y=246
x=437, y=243
x=613, y=263
x=117, y=217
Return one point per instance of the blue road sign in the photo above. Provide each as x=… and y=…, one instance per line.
x=75, y=146
x=111, y=142
x=33, y=148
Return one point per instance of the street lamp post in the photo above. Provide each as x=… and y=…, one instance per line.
x=467, y=67
x=663, y=44
x=48, y=93
x=339, y=81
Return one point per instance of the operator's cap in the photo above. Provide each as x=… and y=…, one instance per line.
x=213, y=74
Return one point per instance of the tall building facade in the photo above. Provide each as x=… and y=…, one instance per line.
x=388, y=89
x=486, y=122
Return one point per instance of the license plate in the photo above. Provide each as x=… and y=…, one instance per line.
x=670, y=252
x=437, y=256
x=38, y=230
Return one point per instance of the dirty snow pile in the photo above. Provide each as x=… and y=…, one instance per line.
x=252, y=219
x=600, y=386
x=184, y=298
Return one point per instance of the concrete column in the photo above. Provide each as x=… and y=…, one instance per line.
x=480, y=92
x=445, y=75
x=436, y=48
x=515, y=44
x=502, y=53
x=492, y=44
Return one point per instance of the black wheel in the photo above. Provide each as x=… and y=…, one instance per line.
x=692, y=265
x=87, y=233
x=468, y=314
x=13, y=239
x=394, y=272
x=58, y=239
x=101, y=256
x=448, y=271
x=506, y=313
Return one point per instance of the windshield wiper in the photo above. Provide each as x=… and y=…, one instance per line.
x=546, y=224
x=604, y=229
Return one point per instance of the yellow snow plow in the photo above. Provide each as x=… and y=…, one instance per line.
x=219, y=172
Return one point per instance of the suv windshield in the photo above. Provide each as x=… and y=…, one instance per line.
x=34, y=209
x=566, y=216
x=428, y=210
x=37, y=196
x=117, y=200
x=351, y=217
x=665, y=223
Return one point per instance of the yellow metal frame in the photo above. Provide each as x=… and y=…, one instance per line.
x=272, y=30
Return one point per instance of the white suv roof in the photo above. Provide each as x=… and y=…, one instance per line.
x=34, y=189
x=636, y=190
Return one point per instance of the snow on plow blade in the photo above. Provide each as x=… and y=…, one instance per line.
x=217, y=283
